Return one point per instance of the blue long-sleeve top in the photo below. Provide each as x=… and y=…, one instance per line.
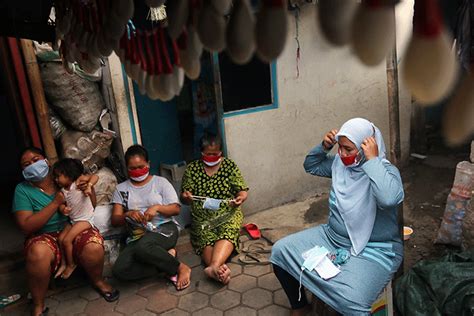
x=386, y=185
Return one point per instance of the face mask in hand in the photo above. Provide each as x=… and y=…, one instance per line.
x=36, y=171
x=212, y=204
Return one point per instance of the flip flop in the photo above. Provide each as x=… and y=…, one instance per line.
x=254, y=258
x=173, y=279
x=7, y=300
x=109, y=296
x=257, y=247
x=252, y=230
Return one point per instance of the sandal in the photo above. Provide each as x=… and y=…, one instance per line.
x=257, y=247
x=7, y=300
x=254, y=258
x=109, y=296
x=252, y=230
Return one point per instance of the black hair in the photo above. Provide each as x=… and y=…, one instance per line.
x=34, y=150
x=136, y=150
x=69, y=167
x=209, y=140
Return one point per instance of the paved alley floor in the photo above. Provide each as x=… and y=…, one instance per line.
x=253, y=289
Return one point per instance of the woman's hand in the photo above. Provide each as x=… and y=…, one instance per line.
x=150, y=213
x=85, y=183
x=64, y=209
x=329, y=139
x=187, y=197
x=237, y=202
x=239, y=199
x=370, y=148
x=137, y=216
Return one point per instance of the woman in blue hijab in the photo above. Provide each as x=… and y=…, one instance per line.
x=361, y=237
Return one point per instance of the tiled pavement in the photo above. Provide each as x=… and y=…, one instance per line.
x=253, y=290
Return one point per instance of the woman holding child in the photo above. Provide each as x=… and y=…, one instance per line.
x=35, y=205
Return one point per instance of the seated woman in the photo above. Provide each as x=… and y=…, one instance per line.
x=366, y=191
x=147, y=204
x=214, y=229
x=35, y=204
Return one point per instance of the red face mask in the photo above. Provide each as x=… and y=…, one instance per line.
x=137, y=173
x=211, y=160
x=349, y=160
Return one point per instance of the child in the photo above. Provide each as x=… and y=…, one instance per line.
x=79, y=206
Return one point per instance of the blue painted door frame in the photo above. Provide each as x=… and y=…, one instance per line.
x=159, y=128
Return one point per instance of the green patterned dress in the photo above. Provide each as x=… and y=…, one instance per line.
x=209, y=226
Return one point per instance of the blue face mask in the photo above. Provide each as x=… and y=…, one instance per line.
x=314, y=257
x=212, y=204
x=36, y=171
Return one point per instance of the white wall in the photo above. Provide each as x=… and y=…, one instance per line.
x=333, y=86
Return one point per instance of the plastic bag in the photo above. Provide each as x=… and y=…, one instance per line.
x=57, y=126
x=457, y=204
x=438, y=287
x=90, y=148
x=102, y=221
x=105, y=187
x=78, y=101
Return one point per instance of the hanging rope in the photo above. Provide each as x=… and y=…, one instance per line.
x=298, y=47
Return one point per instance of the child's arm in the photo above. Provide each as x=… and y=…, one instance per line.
x=85, y=179
x=93, y=197
x=85, y=183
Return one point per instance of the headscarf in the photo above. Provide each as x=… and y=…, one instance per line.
x=351, y=185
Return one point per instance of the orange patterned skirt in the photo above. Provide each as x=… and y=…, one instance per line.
x=90, y=235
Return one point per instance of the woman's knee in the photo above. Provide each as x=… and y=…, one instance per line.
x=39, y=253
x=92, y=253
x=280, y=247
x=145, y=246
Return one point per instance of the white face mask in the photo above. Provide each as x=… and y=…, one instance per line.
x=212, y=164
x=212, y=204
x=140, y=179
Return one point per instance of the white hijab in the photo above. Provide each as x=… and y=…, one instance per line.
x=354, y=198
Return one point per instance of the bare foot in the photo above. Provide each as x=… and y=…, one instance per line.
x=211, y=272
x=69, y=270
x=301, y=311
x=184, y=277
x=61, y=269
x=172, y=252
x=37, y=310
x=223, y=273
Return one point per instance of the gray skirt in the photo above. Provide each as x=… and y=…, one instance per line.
x=361, y=280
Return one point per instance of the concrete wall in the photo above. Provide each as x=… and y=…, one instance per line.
x=333, y=86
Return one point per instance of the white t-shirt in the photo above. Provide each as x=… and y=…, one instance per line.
x=80, y=204
x=158, y=191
